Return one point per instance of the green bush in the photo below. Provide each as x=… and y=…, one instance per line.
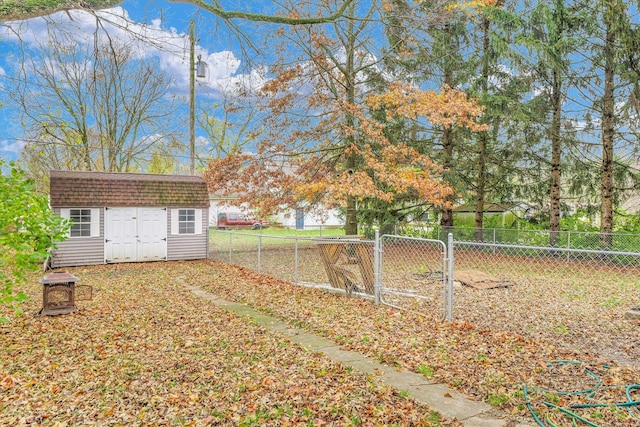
x=28, y=228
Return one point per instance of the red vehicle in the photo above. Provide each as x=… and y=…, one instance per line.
x=239, y=220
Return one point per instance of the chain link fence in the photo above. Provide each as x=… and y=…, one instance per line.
x=573, y=298
x=290, y=258
x=543, y=238
x=350, y=264
x=413, y=275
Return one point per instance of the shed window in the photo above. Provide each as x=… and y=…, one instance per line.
x=85, y=222
x=81, y=226
x=186, y=221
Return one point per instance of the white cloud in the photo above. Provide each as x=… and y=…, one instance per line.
x=12, y=147
x=221, y=65
x=201, y=141
x=583, y=125
x=150, y=41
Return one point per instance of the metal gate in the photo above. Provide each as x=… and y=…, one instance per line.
x=414, y=275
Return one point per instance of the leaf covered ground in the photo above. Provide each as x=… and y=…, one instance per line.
x=146, y=351
x=493, y=365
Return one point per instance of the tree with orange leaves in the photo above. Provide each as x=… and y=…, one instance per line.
x=329, y=138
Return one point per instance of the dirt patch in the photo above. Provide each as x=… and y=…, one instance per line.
x=480, y=280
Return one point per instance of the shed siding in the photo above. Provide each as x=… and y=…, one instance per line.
x=188, y=246
x=80, y=250
x=90, y=250
x=97, y=190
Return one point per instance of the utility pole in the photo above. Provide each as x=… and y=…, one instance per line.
x=192, y=100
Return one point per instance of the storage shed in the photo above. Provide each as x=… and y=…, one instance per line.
x=130, y=217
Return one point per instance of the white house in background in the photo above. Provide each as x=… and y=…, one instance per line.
x=301, y=220
x=289, y=218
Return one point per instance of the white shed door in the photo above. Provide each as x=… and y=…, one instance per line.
x=135, y=234
x=152, y=234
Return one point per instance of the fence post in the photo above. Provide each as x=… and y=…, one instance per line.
x=494, y=240
x=450, y=277
x=376, y=268
x=295, y=270
x=230, y=247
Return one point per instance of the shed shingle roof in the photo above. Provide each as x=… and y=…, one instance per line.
x=100, y=189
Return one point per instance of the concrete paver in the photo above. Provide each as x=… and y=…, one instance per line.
x=446, y=401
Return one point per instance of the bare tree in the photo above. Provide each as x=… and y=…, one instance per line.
x=128, y=105
x=230, y=133
x=91, y=107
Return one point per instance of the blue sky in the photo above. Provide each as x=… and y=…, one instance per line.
x=167, y=22
x=157, y=20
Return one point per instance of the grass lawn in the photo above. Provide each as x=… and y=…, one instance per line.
x=284, y=232
x=247, y=240
x=146, y=351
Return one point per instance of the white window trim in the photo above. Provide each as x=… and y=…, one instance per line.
x=95, y=222
x=175, y=223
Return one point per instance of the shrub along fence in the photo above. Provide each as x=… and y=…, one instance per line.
x=576, y=298
x=545, y=238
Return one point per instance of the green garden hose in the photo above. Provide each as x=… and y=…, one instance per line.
x=631, y=405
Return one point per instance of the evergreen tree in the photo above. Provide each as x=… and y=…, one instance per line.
x=551, y=35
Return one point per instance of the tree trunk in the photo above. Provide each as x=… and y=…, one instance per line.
x=606, y=210
x=481, y=185
x=351, y=212
x=447, y=162
x=351, y=223
x=13, y=10
x=447, y=139
x=483, y=137
x=556, y=157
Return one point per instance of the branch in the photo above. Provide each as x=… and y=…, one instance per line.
x=15, y=10
x=224, y=14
